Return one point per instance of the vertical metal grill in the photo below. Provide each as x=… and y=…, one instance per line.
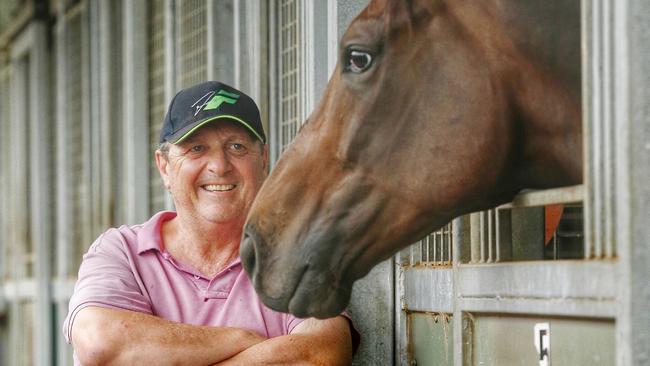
x=193, y=42
x=156, y=98
x=116, y=95
x=74, y=121
x=487, y=235
x=433, y=250
x=5, y=170
x=601, y=129
x=540, y=225
x=289, y=68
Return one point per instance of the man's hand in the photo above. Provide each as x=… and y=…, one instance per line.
x=103, y=336
x=312, y=342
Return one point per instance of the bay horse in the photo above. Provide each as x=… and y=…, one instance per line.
x=436, y=108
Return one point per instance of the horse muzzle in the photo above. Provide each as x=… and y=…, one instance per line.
x=287, y=282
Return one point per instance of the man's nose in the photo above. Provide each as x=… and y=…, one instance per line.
x=219, y=162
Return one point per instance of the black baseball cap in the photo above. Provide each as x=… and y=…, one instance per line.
x=195, y=106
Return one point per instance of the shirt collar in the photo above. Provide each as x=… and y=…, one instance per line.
x=150, y=236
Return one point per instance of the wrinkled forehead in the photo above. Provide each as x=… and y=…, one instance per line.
x=222, y=126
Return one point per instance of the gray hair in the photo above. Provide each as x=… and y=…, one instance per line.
x=164, y=149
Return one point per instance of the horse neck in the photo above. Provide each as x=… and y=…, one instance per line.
x=540, y=72
x=547, y=136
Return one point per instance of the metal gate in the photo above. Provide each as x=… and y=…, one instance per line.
x=549, y=278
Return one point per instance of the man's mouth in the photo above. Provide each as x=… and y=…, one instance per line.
x=218, y=187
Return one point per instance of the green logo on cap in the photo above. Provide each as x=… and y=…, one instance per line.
x=221, y=97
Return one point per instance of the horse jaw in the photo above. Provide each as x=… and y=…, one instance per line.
x=308, y=264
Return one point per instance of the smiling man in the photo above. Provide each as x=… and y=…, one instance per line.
x=172, y=290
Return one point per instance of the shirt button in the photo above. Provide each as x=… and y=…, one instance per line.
x=196, y=277
x=166, y=255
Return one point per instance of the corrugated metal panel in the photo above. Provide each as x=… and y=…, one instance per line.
x=74, y=121
x=157, y=102
x=289, y=68
x=193, y=42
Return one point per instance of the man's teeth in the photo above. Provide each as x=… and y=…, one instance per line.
x=218, y=187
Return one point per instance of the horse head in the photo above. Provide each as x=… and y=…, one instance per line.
x=435, y=109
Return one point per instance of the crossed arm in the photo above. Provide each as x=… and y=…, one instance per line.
x=103, y=336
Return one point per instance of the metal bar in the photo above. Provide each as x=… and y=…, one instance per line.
x=499, y=287
x=275, y=83
x=135, y=112
x=609, y=131
x=482, y=236
x=434, y=237
x=41, y=211
x=490, y=235
x=427, y=243
x=499, y=234
x=401, y=331
x=450, y=242
x=546, y=197
x=475, y=237
x=236, y=6
x=441, y=246
x=587, y=121
x=600, y=127
x=631, y=57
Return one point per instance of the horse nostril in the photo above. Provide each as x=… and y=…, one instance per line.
x=247, y=252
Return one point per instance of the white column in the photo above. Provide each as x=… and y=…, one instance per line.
x=136, y=174
x=630, y=24
x=64, y=234
x=41, y=174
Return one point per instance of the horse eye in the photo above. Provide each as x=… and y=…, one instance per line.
x=358, y=61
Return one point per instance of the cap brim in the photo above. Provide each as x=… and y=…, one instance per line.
x=189, y=130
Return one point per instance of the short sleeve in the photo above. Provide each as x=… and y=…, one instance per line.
x=292, y=322
x=107, y=278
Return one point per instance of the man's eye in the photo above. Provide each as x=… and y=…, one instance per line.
x=197, y=148
x=238, y=148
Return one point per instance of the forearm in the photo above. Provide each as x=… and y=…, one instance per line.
x=316, y=342
x=295, y=349
x=107, y=336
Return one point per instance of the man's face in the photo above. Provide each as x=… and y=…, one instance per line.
x=214, y=174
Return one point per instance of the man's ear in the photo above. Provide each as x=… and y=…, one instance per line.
x=163, y=166
x=265, y=157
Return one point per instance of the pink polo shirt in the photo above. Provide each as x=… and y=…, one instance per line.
x=126, y=268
